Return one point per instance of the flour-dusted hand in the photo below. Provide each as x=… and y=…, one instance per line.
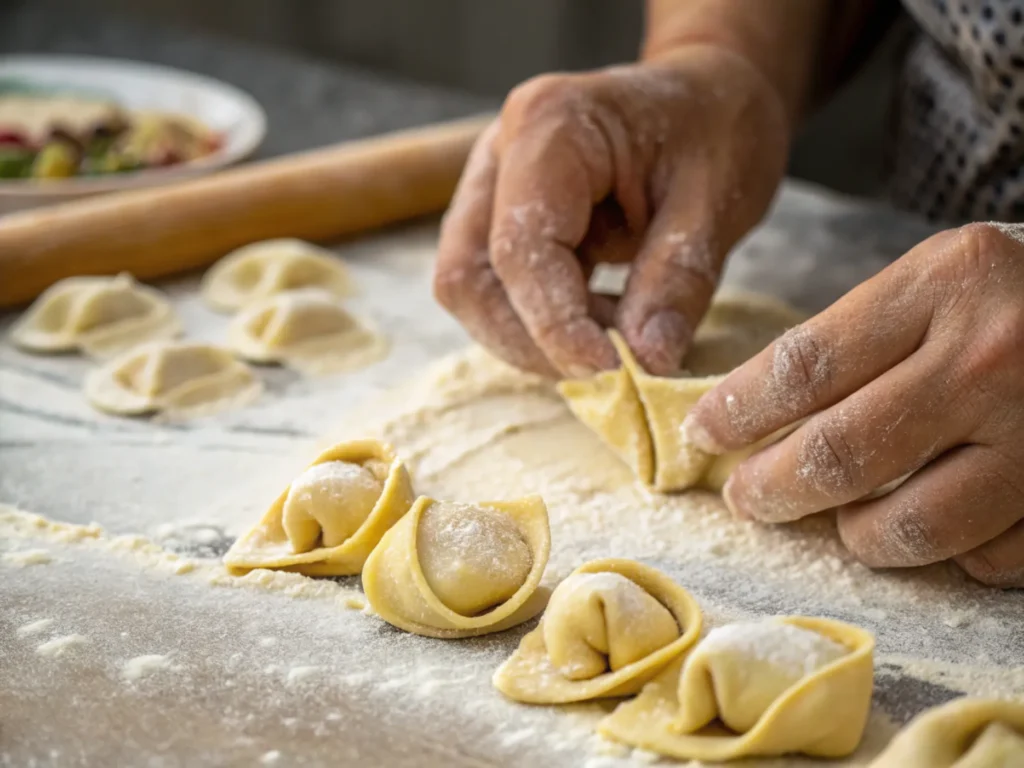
x=665, y=164
x=920, y=369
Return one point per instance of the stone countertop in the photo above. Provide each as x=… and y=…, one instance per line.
x=308, y=103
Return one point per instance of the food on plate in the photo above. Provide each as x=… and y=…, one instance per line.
x=57, y=136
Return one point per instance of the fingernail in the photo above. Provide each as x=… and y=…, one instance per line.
x=734, y=501
x=694, y=432
x=662, y=340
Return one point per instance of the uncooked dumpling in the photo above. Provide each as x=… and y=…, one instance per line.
x=965, y=733
x=267, y=268
x=457, y=570
x=176, y=378
x=329, y=519
x=608, y=403
x=639, y=415
x=608, y=629
x=784, y=685
x=101, y=316
x=306, y=329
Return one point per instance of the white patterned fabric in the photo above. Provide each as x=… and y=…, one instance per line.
x=957, y=150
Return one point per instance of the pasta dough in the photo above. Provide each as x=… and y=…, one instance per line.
x=639, y=415
x=965, y=733
x=458, y=570
x=173, y=378
x=769, y=688
x=307, y=330
x=608, y=629
x=329, y=519
x=101, y=316
x=264, y=269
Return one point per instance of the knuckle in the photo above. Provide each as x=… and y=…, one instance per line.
x=828, y=459
x=802, y=365
x=540, y=96
x=998, y=348
x=909, y=540
x=962, y=261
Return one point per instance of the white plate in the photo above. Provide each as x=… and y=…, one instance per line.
x=224, y=108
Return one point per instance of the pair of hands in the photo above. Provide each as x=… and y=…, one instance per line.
x=665, y=166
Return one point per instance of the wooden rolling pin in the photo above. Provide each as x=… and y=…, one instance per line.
x=319, y=195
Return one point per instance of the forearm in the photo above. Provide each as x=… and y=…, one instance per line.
x=782, y=39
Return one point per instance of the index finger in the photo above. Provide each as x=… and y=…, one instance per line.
x=817, y=364
x=546, y=190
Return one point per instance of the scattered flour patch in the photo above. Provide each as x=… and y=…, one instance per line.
x=267, y=642
x=34, y=627
x=297, y=675
x=58, y=646
x=270, y=758
x=512, y=738
x=145, y=665
x=26, y=557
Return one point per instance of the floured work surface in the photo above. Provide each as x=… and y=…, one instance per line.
x=131, y=641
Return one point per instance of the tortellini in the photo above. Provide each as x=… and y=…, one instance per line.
x=609, y=628
x=639, y=416
x=174, y=378
x=267, y=268
x=307, y=330
x=101, y=316
x=767, y=688
x=329, y=519
x=453, y=570
x=965, y=733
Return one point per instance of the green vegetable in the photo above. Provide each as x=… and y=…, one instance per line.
x=16, y=163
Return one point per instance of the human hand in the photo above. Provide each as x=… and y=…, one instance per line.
x=663, y=164
x=920, y=369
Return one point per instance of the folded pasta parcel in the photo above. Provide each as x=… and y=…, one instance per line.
x=101, y=316
x=639, y=416
x=764, y=688
x=609, y=628
x=172, y=378
x=260, y=270
x=306, y=329
x=453, y=570
x=329, y=519
x=965, y=733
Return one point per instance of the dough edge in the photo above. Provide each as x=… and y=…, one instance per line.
x=395, y=560
x=518, y=679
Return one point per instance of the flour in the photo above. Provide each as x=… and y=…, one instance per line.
x=27, y=557
x=143, y=666
x=34, y=627
x=301, y=674
x=58, y=646
x=792, y=650
x=471, y=430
